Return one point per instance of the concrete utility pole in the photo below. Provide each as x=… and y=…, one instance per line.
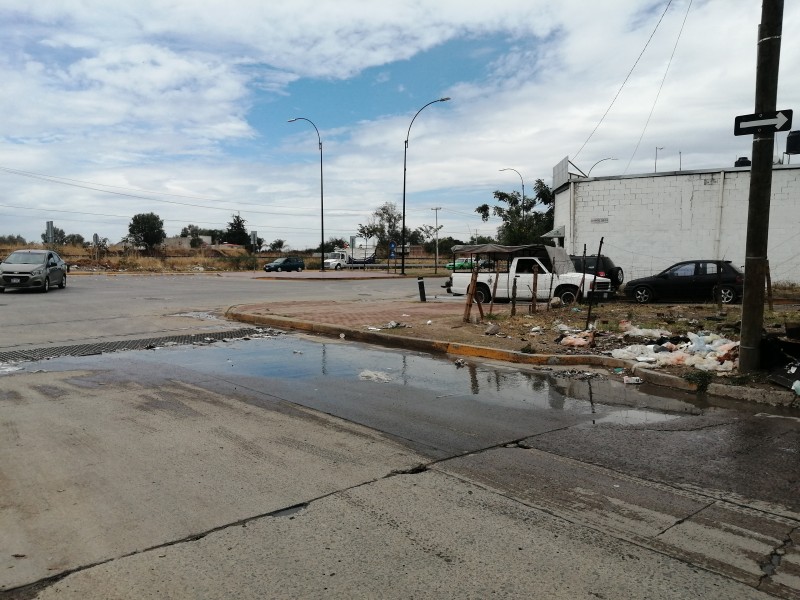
x=755, y=263
x=436, y=232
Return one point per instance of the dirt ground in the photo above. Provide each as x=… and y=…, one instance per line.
x=543, y=331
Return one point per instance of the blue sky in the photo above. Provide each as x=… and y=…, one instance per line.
x=114, y=108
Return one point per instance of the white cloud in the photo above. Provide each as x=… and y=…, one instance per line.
x=164, y=95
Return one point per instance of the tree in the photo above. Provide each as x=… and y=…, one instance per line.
x=12, y=240
x=146, y=229
x=59, y=237
x=428, y=234
x=333, y=243
x=524, y=219
x=384, y=224
x=74, y=239
x=237, y=232
x=277, y=245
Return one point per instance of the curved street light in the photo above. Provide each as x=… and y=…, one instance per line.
x=523, y=191
x=655, y=162
x=321, y=202
x=589, y=174
x=405, y=156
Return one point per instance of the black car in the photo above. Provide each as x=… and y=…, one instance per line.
x=287, y=263
x=699, y=280
x=607, y=268
x=37, y=269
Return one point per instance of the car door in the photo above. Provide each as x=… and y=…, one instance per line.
x=707, y=278
x=679, y=283
x=54, y=271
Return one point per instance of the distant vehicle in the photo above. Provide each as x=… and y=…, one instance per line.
x=702, y=280
x=287, y=263
x=37, y=269
x=607, y=268
x=342, y=257
x=459, y=263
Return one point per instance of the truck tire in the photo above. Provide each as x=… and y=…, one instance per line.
x=568, y=294
x=338, y=267
x=482, y=293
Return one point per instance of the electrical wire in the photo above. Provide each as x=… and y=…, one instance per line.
x=660, y=87
x=619, y=91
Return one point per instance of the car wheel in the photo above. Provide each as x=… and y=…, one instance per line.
x=619, y=275
x=299, y=269
x=279, y=269
x=2, y=290
x=643, y=295
x=63, y=283
x=568, y=294
x=338, y=268
x=726, y=294
x=46, y=285
x=482, y=294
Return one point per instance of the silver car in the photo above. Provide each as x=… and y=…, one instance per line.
x=38, y=269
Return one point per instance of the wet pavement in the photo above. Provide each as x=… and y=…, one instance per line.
x=331, y=461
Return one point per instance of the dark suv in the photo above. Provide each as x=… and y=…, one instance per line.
x=607, y=268
x=287, y=263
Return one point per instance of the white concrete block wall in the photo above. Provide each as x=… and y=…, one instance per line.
x=649, y=222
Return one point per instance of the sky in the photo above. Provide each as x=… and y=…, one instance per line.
x=113, y=108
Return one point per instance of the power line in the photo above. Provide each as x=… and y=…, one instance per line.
x=605, y=114
x=660, y=87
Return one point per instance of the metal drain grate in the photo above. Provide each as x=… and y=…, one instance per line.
x=104, y=347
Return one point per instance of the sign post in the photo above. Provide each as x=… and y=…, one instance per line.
x=762, y=125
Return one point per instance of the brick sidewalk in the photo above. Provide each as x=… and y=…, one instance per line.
x=359, y=315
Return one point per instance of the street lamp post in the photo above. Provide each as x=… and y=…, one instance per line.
x=589, y=174
x=655, y=163
x=523, y=192
x=405, y=162
x=321, y=199
x=436, y=233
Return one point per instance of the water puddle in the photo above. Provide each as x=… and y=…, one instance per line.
x=334, y=365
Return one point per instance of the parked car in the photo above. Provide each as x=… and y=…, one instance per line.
x=33, y=269
x=690, y=280
x=607, y=268
x=287, y=263
x=459, y=263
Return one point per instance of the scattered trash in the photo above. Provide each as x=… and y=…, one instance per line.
x=627, y=379
x=493, y=329
x=796, y=387
x=341, y=336
x=297, y=352
x=375, y=376
x=536, y=329
x=429, y=322
x=629, y=329
x=460, y=362
x=705, y=351
x=584, y=338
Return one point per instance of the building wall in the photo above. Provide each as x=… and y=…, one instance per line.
x=649, y=222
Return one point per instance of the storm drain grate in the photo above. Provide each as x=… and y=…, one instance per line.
x=142, y=344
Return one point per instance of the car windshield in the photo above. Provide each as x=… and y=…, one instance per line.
x=279, y=261
x=25, y=258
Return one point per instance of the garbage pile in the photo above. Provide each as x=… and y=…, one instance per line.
x=703, y=350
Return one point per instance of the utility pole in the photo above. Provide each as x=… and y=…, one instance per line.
x=769, y=53
x=436, y=232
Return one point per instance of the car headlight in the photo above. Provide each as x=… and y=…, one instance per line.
x=36, y=272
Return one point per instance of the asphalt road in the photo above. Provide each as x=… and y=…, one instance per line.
x=293, y=467
x=115, y=307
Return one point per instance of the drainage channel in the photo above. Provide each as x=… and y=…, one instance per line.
x=140, y=344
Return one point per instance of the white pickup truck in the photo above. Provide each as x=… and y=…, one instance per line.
x=559, y=281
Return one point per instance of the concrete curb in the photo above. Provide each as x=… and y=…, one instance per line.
x=771, y=397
